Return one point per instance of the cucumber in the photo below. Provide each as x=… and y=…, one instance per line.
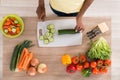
x=46, y=41
x=14, y=57
x=41, y=37
x=48, y=36
x=66, y=31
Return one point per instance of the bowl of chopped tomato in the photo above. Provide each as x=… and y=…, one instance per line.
x=12, y=26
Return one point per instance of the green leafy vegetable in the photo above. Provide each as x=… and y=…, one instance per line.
x=100, y=49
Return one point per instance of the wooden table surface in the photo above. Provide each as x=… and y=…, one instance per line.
x=52, y=56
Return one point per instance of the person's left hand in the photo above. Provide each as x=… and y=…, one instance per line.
x=79, y=25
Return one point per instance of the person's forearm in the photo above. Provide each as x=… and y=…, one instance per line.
x=41, y=3
x=85, y=6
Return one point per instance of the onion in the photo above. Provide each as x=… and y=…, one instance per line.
x=32, y=71
x=42, y=68
x=34, y=62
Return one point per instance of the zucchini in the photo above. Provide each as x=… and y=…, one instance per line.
x=66, y=31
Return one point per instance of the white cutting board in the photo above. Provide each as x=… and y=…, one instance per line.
x=60, y=40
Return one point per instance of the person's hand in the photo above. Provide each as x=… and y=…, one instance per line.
x=79, y=25
x=41, y=13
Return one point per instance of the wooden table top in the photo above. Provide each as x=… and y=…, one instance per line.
x=52, y=56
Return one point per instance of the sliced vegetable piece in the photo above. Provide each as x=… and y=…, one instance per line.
x=41, y=37
x=46, y=41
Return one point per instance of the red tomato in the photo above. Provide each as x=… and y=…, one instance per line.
x=107, y=62
x=95, y=71
x=103, y=70
x=75, y=60
x=86, y=65
x=82, y=58
x=79, y=67
x=93, y=64
x=100, y=63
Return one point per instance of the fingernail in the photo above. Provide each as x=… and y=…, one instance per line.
x=76, y=30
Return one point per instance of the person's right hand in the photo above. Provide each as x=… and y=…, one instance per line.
x=41, y=13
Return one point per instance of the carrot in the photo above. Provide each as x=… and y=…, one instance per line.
x=7, y=23
x=5, y=27
x=18, y=30
x=22, y=58
x=9, y=29
x=18, y=25
x=12, y=22
x=13, y=18
x=8, y=19
x=23, y=54
x=30, y=56
x=25, y=62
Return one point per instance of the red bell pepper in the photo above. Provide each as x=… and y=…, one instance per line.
x=71, y=68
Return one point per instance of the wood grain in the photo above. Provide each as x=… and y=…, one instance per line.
x=52, y=56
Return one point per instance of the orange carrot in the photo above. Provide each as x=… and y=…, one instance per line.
x=22, y=55
x=22, y=58
x=18, y=25
x=25, y=62
x=8, y=20
x=30, y=56
x=18, y=30
x=9, y=29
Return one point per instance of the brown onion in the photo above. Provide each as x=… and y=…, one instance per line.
x=32, y=71
x=34, y=62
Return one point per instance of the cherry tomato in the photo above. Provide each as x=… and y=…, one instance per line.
x=95, y=71
x=82, y=58
x=93, y=64
x=86, y=65
x=79, y=67
x=75, y=60
x=100, y=63
x=103, y=70
x=107, y=62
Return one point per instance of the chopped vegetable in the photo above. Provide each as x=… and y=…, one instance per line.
x=11, y=26
x=99, y=50
x=46, y=41
x=41, y=37
x=16, y=22
x=6, y=31
x=48, y=37
x=66, y=59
